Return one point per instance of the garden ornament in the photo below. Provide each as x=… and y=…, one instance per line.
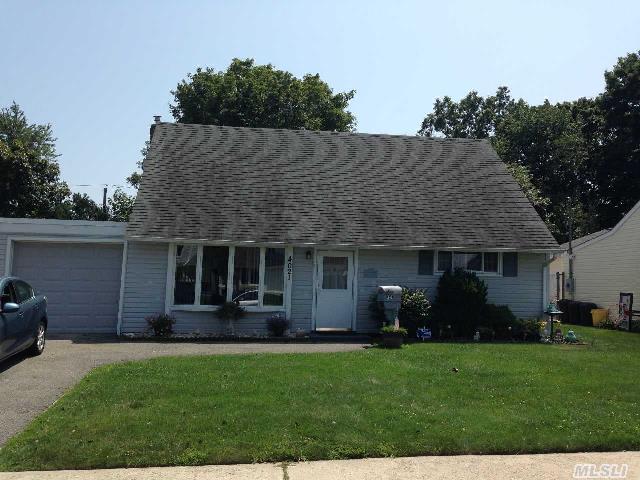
x=476, y=336
x=571, y=337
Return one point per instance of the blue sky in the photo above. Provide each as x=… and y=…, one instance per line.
x=99, y=70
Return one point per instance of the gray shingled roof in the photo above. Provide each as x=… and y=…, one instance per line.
x=205, y=182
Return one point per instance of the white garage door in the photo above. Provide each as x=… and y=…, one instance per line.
x=81, y=282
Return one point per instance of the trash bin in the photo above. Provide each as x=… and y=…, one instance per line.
x=599, y=315
x=585, y=313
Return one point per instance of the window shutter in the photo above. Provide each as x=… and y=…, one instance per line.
x=510, y=264
x=425, y=262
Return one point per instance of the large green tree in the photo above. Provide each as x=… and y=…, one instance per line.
x=619, y=167
x=548, y=141
x=249, y=95
x=30, y=184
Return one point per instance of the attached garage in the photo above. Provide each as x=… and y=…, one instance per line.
x=81, y=282
x=77, y=265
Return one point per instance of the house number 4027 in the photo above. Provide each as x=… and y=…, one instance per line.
x=289, y=267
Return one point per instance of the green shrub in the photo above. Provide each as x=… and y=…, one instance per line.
x=486, y=334
x=161, y=324
x=460, y=301
x=529, y=330
x=230, y=311
x=415, y=310
x=501, y=320
x=277, y=325
x=391, y=329
x=608, y=324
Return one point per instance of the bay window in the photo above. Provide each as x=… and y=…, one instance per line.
x=207, y=276
x=479, y=262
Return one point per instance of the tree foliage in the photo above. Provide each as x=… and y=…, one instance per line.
x=577, y=162
x=80, y=207
x=619, y=169
x=30, y=185
x=249, y=95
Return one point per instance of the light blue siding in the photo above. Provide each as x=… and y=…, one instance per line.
x=146, y=280
x=301, y=290
x=523, y=293
x=252, y=324
x=3, y=253
x=145, y=283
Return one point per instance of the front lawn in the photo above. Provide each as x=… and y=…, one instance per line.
x=506, y=398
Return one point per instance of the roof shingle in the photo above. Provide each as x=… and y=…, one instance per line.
x=204, y=182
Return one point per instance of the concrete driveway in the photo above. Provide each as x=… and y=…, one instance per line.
x=29, y=385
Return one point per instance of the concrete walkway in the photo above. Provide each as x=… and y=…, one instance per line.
x=463, y=467
x=29, y=385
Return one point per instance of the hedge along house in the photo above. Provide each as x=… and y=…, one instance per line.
x=308, y=224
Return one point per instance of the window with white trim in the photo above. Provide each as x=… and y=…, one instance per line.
x=479, y=262
x=206, y=275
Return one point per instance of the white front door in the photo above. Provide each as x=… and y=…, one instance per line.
x=334, y=290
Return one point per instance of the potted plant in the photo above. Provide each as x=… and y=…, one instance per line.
x=393, y=336
x=161, y=324
x=277, y=324
x=231, y=312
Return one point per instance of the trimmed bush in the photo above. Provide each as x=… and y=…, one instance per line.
x=415, y=310
x=501, y=320
x=161, y=324
x=277, y=325
x=460, y=302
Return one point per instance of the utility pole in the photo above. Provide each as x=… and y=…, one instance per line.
x=570, y=253
x=104, y=200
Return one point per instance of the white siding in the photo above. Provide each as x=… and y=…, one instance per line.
x=610, y=265
x=558, y=265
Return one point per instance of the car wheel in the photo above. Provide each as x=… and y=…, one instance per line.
x=41, y=339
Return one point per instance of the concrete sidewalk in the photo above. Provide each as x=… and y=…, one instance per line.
x=540, y=467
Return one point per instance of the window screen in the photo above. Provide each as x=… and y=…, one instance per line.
x=215, y=262
x=334, y=273
x=491, y=262
x=246, y=275
x=273, y=277
x=185, y=288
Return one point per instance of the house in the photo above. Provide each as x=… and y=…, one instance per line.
x=605, y=264
x=302, y=223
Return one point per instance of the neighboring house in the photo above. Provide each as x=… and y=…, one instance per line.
x=605, y=264
x=302, y=223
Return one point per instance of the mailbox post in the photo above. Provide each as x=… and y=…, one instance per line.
x=391, y=298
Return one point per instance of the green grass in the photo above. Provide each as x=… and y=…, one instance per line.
x=506, y=398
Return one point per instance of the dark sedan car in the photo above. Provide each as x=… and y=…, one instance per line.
x=23, y=318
